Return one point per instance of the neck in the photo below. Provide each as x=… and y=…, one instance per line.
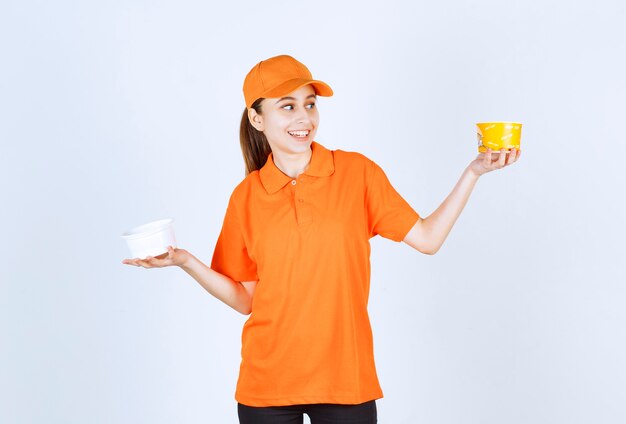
x=292, y=164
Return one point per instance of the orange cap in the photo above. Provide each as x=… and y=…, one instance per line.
x=278, y=76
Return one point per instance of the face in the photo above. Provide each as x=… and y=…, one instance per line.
x=290, y=122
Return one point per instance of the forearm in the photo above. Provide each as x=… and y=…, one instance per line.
x=438, y=224
x=220, y=286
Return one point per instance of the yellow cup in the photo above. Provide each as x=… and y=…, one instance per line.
x=498, y=135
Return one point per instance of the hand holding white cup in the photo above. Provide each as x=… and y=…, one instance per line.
x=173, y=257
x=154, y=245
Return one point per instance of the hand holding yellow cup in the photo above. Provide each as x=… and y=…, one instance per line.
x=498, y=135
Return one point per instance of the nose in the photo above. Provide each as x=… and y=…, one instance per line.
x=302, y=116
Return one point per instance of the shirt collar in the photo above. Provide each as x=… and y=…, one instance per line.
x=321, y=165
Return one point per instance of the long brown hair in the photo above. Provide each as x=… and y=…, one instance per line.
x=254, y=145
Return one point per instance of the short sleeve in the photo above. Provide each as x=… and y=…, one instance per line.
x=388, y=214
x=230, y=256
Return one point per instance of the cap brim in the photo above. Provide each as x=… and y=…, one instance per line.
x=320, y=87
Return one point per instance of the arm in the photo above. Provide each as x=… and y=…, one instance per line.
x=237, y=295
x=428, y=234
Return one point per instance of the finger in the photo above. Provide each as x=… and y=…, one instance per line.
x=156, y=262
x=487, y=158
x=144, y=263
x=495, y=158
x=512, y=156
x=131, y=261
x=502, y=157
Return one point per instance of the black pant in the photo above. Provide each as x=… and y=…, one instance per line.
x=319, y=413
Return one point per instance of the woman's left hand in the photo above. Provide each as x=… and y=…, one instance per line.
x=485, y=163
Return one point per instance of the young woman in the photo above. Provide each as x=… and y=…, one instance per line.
x=294, y=252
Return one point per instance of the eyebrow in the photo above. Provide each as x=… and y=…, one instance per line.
x=293, y=98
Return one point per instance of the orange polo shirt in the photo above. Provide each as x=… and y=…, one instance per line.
x=308, y=338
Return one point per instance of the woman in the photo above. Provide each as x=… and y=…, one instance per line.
x=294, y=251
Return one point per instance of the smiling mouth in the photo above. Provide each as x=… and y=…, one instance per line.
x=299, y=133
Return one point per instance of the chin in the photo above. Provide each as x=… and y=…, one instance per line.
x=300, y=144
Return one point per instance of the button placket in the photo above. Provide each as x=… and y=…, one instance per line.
x=303, y=214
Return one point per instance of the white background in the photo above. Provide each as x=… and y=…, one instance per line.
x=113, y=114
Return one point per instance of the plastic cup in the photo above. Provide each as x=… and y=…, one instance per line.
x=498, y=135
x=150, y=239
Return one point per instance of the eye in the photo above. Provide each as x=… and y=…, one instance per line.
x=291, y=106
x=312, y=105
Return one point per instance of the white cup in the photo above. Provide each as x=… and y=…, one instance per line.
x=150, y=239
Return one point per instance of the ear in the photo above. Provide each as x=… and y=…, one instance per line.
x=255, y=119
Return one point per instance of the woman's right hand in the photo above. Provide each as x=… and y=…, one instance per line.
x=173, y=257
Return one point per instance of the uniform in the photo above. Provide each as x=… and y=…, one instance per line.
x=305, y=240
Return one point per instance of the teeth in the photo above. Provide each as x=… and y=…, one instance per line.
x=299, y=133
